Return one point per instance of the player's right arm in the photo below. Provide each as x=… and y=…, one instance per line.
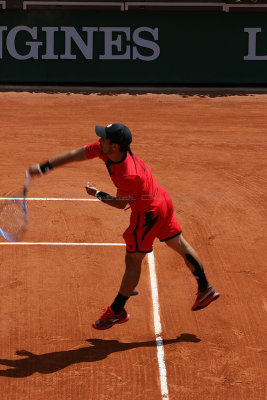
x=82, y=153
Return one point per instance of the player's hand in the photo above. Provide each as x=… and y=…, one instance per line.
x=34, y=170
x=90, y=189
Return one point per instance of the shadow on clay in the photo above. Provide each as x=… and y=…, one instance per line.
x=98, y=350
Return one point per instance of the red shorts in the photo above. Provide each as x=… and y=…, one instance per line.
x=159, y=222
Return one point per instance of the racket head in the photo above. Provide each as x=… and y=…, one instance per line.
x=14, y=215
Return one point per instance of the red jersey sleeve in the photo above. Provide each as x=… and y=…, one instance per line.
x=92, y=150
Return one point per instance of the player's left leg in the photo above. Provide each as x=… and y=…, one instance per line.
x=206, y=293
x=191, y=258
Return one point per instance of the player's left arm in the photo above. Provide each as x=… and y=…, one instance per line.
x=114, y=201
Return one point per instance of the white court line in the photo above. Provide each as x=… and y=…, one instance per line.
x=157, y=327
x=47, y=199
x=59, y=244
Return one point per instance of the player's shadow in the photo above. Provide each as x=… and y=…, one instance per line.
x=99, y=350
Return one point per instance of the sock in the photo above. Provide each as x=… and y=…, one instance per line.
x=198, y=273
x=119, y=303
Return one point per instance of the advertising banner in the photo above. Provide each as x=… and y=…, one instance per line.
x=70, y=46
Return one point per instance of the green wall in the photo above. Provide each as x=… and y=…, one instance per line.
x=133, y=47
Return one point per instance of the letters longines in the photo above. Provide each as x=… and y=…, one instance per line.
x=120, y=43
x=252, y=45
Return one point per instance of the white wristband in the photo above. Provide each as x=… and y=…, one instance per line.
x=96, y=193
x=39, y=169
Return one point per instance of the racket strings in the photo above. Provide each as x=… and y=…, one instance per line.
x=13, y=218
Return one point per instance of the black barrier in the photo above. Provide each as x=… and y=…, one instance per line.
x=145, y=48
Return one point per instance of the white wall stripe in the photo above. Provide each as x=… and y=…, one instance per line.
x=47, y=199
x=157, y=327
x=58, y=244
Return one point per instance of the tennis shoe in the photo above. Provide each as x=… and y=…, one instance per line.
x=109, y=318
x=205, y=298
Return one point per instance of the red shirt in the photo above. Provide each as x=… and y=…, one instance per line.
x=131, y=176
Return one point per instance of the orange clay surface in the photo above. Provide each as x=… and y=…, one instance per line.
x=210, y=155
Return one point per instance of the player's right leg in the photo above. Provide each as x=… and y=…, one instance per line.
x=116, y=313
x=139, y=237
x=133, y=262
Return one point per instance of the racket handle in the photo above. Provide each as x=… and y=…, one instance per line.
x=28, y=179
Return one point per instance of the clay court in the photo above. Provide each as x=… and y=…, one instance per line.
x=209, y=153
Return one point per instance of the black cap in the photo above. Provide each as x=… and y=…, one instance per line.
x=117, y=133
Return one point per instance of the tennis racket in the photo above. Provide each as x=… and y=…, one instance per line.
x=13, y=213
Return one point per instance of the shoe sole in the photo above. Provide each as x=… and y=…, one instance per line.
x=215, y=297
x=110, y=326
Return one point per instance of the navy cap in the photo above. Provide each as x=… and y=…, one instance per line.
x=117, y=133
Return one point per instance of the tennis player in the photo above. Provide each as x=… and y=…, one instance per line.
x=152, y=214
